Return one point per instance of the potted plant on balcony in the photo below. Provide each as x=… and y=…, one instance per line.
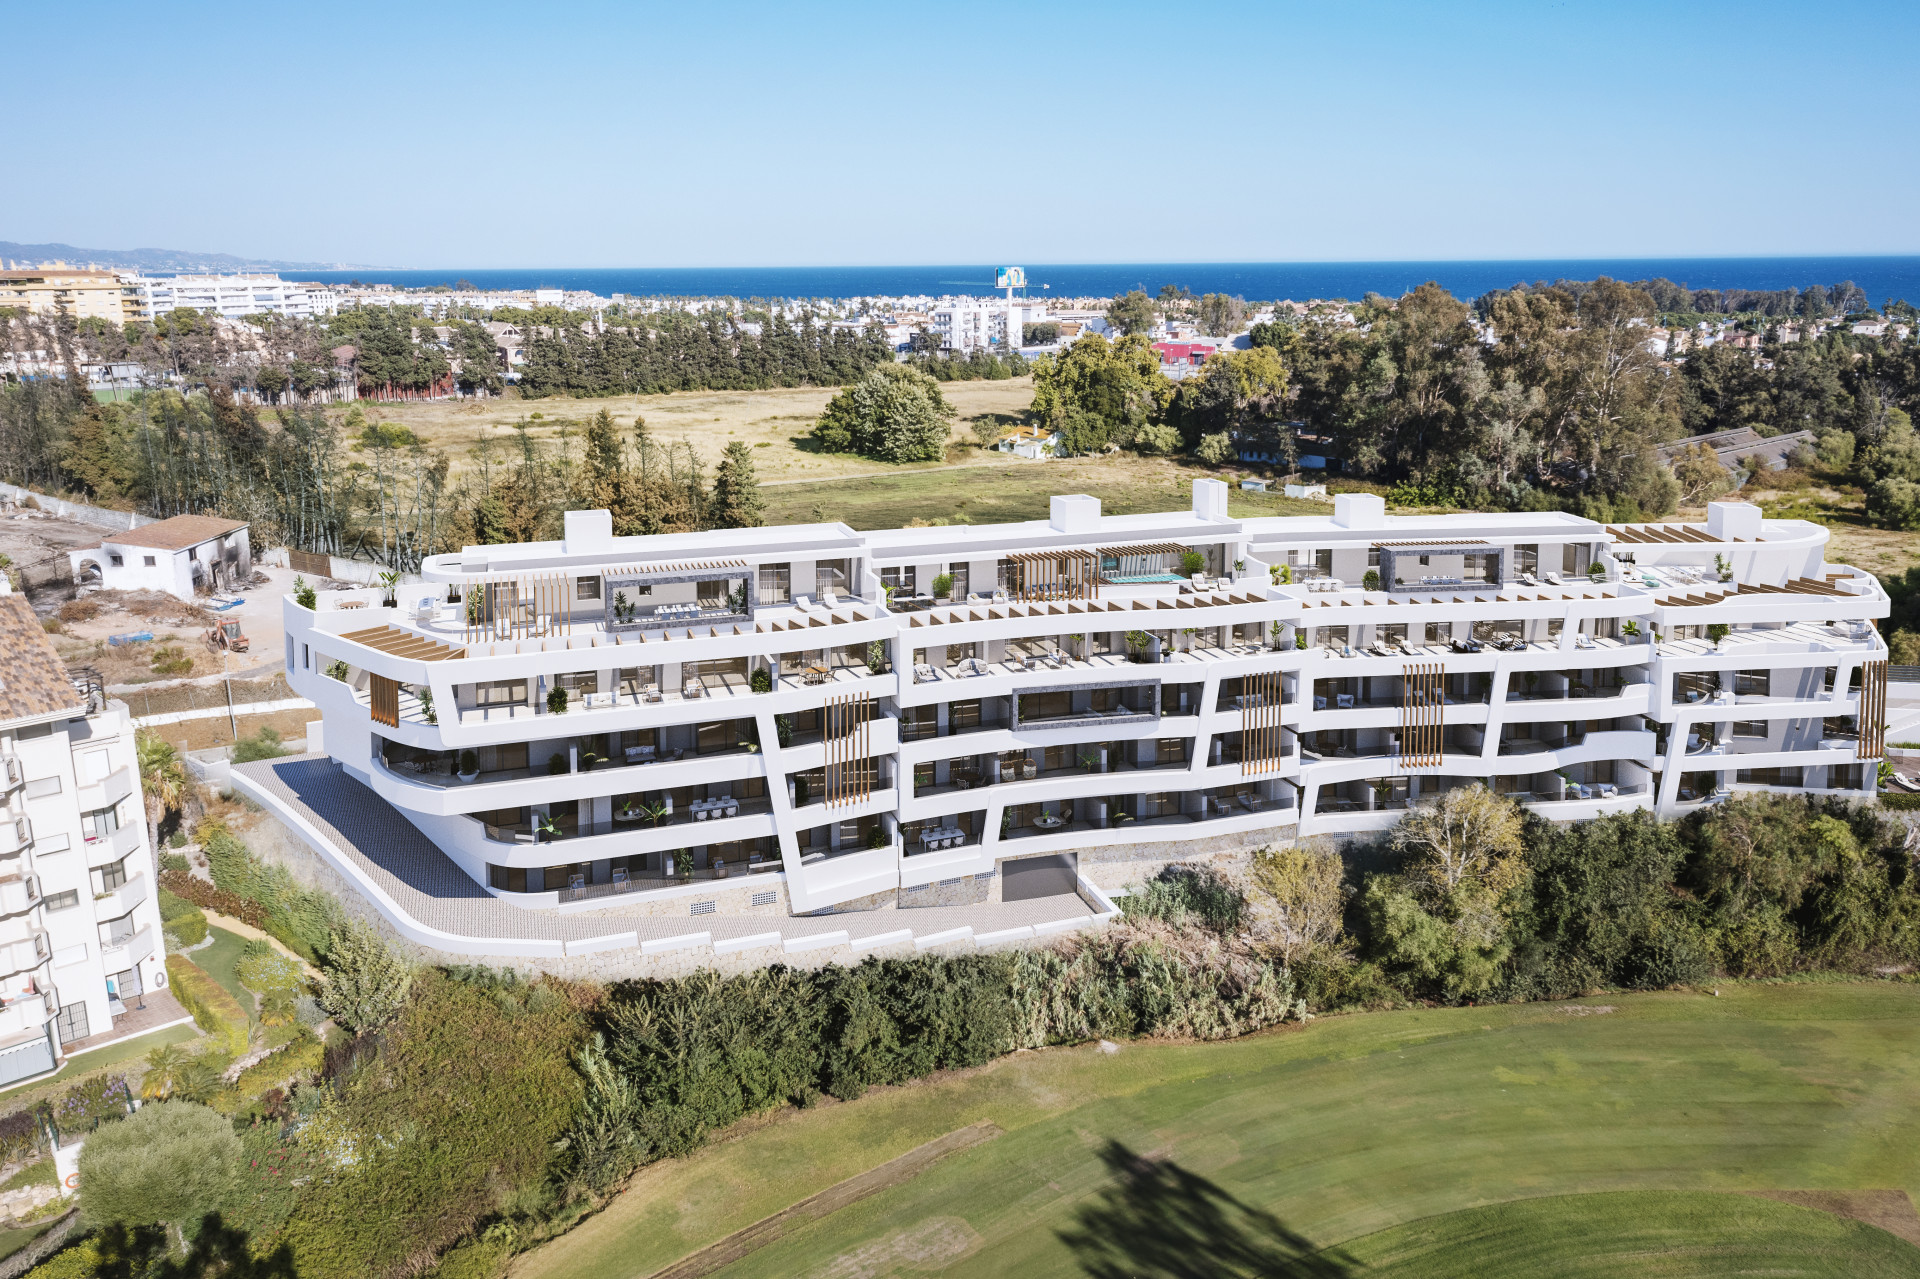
x=622, y=608
x=1191, y=562
x=630, y=810
x=877, y=657
x=761, y=681
x=544, y=831
x=1370, y=580
x=556, y=764
x=943, y=586
x=388, y=582
x=556, y=701
x=467, y=769
x=1090, y=761
x=1723, y=566
x=783, y=729
x=1138, y=642
x=1717, y=631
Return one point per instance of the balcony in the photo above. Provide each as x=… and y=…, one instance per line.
x=16, y=833
x=18, y=894
x=640, y=820
x=1061, y=819
x=12, y=775
x=625, y=883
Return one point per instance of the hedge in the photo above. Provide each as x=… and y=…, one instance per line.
x=182, y=919
x=214, y=1010
x=302, y=918
x=1901, y=802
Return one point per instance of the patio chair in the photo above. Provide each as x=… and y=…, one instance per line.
x=830, y=597
x=620, y=880
x=576, y=883
x=923, y=673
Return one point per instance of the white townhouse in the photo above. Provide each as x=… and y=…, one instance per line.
x=833, y=719
x=79, y=922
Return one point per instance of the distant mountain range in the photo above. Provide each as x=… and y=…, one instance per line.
x=164, y=260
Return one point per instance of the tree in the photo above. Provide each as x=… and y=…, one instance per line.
x=1467, y=836
x=1131, y=313
x=1214, y=449
x=1221, y=315
x=169, y=1163
x=895, y=413
x=365, y=983
x=1700, y=474
x=163, y=780
x=1235, y=391
x=1120, y=383
x=736, y=493
x=1296, y=896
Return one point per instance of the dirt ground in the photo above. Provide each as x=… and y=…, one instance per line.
x=775, y=422
x=178, y=629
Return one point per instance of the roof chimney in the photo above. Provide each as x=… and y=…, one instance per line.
x=1733, y=521
x=1210, y=499
x=1073, y=513
x=1360, y=510
x=588, y=532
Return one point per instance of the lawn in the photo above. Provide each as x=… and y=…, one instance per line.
x=999, y=491
x=1333, y=1133
x=221, y=959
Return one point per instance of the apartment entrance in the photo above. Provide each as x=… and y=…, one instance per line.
x=1031, y=877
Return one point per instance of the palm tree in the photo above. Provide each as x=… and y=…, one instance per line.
x=166, y=1070
x=162, y=778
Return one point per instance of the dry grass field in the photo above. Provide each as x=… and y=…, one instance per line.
x=776, y=422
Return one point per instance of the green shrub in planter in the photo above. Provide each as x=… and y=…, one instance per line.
x=556, y=701
x=761, y=681
x=469, y=763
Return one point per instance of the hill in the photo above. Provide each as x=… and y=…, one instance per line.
x=163, y=260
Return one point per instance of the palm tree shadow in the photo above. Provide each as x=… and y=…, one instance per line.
x=1159, y=1221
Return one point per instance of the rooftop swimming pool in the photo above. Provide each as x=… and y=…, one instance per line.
x=1146, y=577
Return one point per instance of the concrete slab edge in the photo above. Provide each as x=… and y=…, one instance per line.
x=734, y=945
x=877, y=940
x=1054, y=927
x=951, y=935
x=685, y=941
x=816, y=941
x=1005, y=935
x=611, y=941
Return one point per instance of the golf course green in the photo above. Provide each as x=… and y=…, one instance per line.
x=1611, y=1136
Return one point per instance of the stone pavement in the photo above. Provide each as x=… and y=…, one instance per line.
x=377, y=848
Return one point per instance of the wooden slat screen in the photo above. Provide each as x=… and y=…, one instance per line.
x=850, y=766
x=1068, y=575
x=1422, y=711
x=383, y=696
x=518, y=608
x=1872, y=742
x=1260, y=744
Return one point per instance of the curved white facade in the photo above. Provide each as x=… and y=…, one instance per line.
x=1081, y=690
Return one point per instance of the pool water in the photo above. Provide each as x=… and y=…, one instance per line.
x=1147, y=577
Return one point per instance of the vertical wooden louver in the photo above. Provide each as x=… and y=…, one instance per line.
x=1260, y=744
x=848, y=721
x=1872, y=742
x=1422, y=706
x=383, y=697
x=518, y=607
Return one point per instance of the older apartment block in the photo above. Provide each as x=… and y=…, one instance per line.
x=830, y=719
x=79, y=924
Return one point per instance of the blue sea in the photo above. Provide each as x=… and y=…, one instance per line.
x=1881, y=277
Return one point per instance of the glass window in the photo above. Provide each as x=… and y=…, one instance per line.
x=586, y=588
x=1752, y=683
x=830, y=575
x=1749, y=728
x=776, y=583
x=958, y=572
x=113, y=876
x=502, y=692
x=63, y=901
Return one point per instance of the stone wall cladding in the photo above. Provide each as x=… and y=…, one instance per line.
x=1126, y=865
x=728, y=898
x=967, y=890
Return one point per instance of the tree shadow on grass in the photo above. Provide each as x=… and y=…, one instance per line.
x=144, y=1252
x=1159, y=1221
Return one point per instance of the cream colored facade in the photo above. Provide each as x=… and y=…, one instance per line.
x=81, y=293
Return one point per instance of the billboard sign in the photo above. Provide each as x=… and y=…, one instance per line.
x=1010, y=277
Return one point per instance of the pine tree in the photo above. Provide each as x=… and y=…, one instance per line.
x=736, y=494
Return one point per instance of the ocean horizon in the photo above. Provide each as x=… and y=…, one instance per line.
x=1880, y=277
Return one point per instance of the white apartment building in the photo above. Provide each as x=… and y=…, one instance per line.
x=793, y=708
x=234, y=296
x=966, y=325
x=79, y=922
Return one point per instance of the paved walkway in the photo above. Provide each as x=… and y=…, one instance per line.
x=373, y=843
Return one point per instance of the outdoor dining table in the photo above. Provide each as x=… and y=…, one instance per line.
x=726, y=806
x=945, y=837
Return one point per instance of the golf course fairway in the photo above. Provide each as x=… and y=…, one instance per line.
x=1615, y=1135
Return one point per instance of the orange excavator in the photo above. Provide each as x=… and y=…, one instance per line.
x=226, y=635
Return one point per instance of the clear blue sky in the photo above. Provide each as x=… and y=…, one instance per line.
x=476, y=134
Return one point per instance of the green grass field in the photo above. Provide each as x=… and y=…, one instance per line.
x=221, y=960
x=997, y=492
x=1396, y=1135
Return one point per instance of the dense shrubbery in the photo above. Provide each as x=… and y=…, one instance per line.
x=1761, y=886
x=180, y=918
x=303, y=918
x=214, y=1010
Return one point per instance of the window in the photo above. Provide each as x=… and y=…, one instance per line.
x=71, y=1024
x=1526, y=557
x=830, y=575
x=147, y=560
x=776, y=583
x=1005, y=573
x=115, y=560
x=117, y=932
x=101, y=822
x=501, y=692
x=586, y=588
x=507, y=879
x=1750, y=728
x=1751, y=683
x=903, y=579
x=193, y=553
x=63, y=901
x=958, y=572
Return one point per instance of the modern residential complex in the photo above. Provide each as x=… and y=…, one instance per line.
x=831, y=720
x=233, y=296
x=79, y=923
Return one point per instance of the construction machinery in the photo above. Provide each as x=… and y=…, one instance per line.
x=227, y=636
